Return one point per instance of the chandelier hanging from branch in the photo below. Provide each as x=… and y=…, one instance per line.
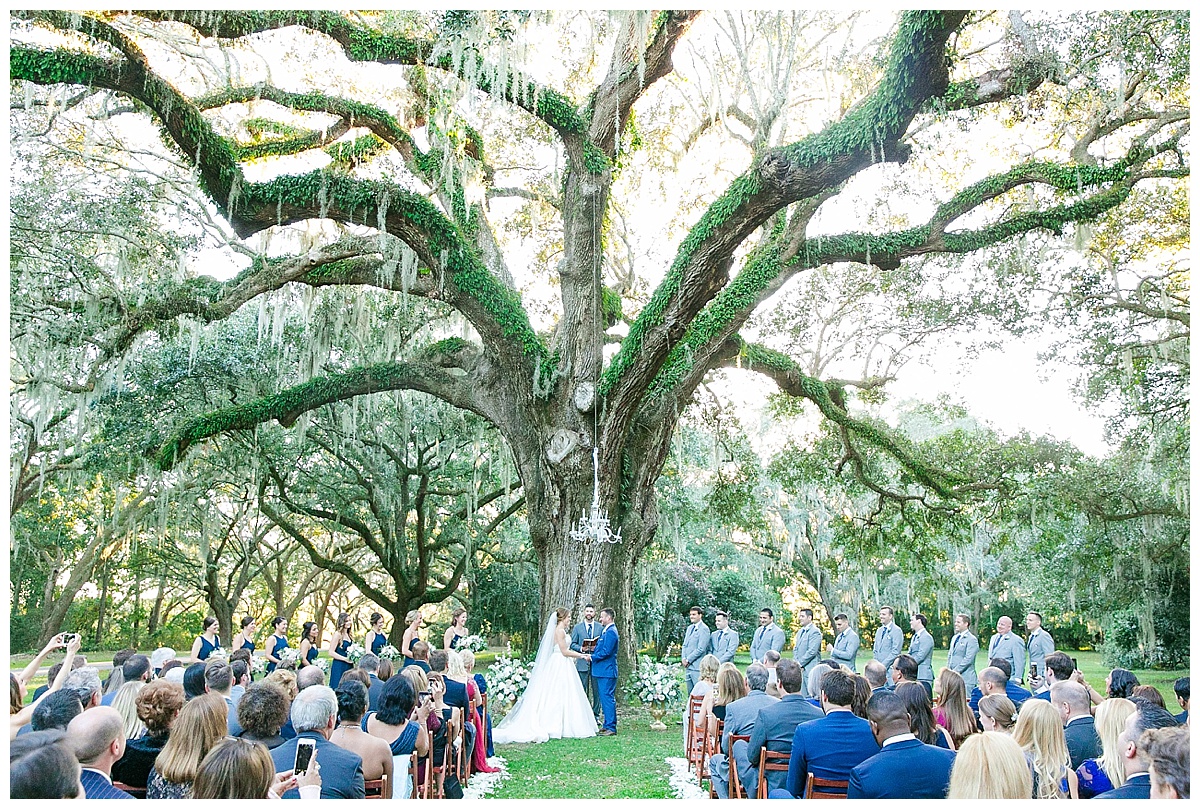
x=595, y=525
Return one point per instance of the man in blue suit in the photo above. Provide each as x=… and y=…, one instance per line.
x=1137, y=768
x=314, y=715
x=904, y=767
x=370, y=664
x=774, y=728
x=767, y=636
x=604, y=669
x=829, y=747
x=995, y=680
x=98, y=736
x=845, y=643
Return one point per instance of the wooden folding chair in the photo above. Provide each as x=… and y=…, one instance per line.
x=695, y=737
x=413, y=775
x=710, y=746
x=462, y=763
x=736, y=790
x=379, y=788
x=137, y=792
x=770, y=761
x=831, y=788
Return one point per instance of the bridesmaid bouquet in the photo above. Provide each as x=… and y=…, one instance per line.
x=355, y=651
x=258, y=665
x=476, y=643
x=322, y=664
x=389, y=652
x=654, y=682
x=289, y=658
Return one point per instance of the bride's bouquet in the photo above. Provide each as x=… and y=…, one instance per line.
x=389, y=652
x=507, y=679
x=355, y=651
x=476, y=643
x=654, y=682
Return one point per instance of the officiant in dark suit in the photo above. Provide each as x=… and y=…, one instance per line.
x=587, y=629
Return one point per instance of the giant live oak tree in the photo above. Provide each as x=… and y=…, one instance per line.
x=554, y=396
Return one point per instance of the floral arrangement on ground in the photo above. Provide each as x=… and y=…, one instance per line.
x=654, y=682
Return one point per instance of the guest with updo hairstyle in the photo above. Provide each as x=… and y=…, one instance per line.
x=158, y=704
x=997, y=712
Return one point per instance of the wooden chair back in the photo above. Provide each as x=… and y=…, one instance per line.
x=770, y=761
x=736, y=790
x=379, y=788
x=695, y=733
x=831, y=788
x=712, y=741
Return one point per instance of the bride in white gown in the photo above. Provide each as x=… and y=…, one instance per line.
x=554, y=705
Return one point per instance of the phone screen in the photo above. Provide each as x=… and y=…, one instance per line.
x=1075, y=664
x=425, y=695
x=304, y=752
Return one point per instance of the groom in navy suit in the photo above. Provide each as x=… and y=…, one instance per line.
x=604, y=669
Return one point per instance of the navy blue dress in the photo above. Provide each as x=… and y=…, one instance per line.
x=378, y=643
x=455, y=640
x=248, y=645
x=207, y=647
x=481, y=685
x=280, y=645
x=409, y=661
x=313, y=651
x=339, y=667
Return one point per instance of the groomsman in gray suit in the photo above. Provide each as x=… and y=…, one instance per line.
x=1007, y=646
x=724, y=641
x=889, y=641
x=767, y=636
x=963, y=648
x=846, y=643
x=696, y=641
x=1037, y=646
x=920, y=648
x=807, y=649
x=587, y=629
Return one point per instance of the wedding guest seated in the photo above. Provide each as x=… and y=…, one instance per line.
x=420, y=654
x=990, y=766
x=1137, y=769
x=1183, y=693
x=1150, y=694
x=309, y=676
x=730, y=686
x=862, y=695
x=1039, y=732
x=1106, y=771
x=468, y=659
x=1071, y=700
x=997, y=713
x=1059, y=669
x=349, y=735
x=771, y=660
x=55, y=712
x=920, y=712
x=241, y=677
x=370, y=664
x=386, y=669
x=116, y=676
x=201, y=724
x=436, y=726
x=775, y=727
x=814, y=681
x=42, y=766
x=740, y=716
x=193, y=682
x=400, y=725
x=158, y=704
x=456, y=669
x=876, y=676
x=357, y=675
x=218, y=679
x=1167, y=751
x=159, y=659
x=456, y=693
x=990, y=682
x=98, y=736
x=237, y=769
x=314, y=714
x=904, y=767
x=709, y=665
x=285, y=680
x=173, y=670
x=1120, y=683
x=85, y=682
x=262, y=713
x=904, y=670
x=952, y=711
x=829, y=747
x=77, y=662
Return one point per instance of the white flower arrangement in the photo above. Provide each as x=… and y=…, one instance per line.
x=289, y=658
x=355, y=651
x=654, y=682
x=476, y=643
x=389, y=652
x=322, y=664
x=258, y=664
x=507, y=679
x=217, y=654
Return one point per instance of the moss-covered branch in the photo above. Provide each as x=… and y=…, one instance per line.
x=428, y=373
x=363, y=44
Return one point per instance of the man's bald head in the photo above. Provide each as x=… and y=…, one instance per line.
x=93, y=734
x=1073, y=695
x=995, y=676
x=309, y=676
x=1004, y=624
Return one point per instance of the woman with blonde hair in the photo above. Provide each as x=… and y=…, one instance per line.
x=201, y=724
x=241, y=769
x=456, y=632
x=1039, y=731
x=731, y=685
x=125, y=703
x=415, y=621
x=953, y=710
x=997, y=712
x=1100, y=775
x=990, y=766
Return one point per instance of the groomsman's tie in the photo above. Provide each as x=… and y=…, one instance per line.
x=758, y=637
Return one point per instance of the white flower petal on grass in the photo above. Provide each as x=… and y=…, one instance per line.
x=483, y=784
x=684, y=785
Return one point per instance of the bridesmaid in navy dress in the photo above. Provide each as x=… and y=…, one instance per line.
x=339, y=645
x=207, y=642
x=276, y=643
x=415, y=621
x=308, y=644
x=375, y=639
x=245, y=638
x=457, y=632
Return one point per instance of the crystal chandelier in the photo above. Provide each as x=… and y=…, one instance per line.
x=595, y=525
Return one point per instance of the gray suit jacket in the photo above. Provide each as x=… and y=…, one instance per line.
x=739, y=720
x=961, y=658
x=1009, y=647
x=765, y=638
x=1038, y=646
x=578, y=635
x=921, y=648
x=845, y=649
x=808, y=646
x=889, y=642
x=774, y=729
x=724, y=644
x=695, y=645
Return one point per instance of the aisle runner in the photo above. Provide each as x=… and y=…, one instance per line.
x=684, y=785
x=483, y=784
